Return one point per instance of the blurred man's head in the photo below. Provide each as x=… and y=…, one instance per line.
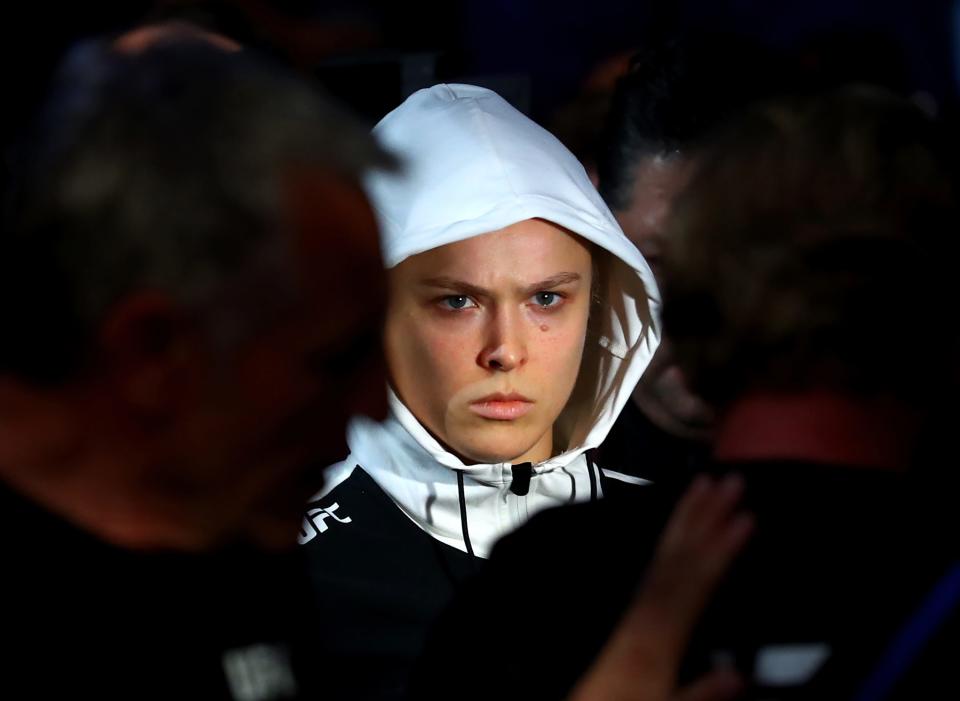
x=148, y=36
x=675, y=93
x=191, y=297
x=815, y=248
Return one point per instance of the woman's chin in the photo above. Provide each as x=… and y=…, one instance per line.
x=496, y=451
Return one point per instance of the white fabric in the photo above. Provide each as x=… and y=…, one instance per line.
x=473, y=164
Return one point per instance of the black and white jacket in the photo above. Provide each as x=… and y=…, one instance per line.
x=402, y=520
x=401, y=526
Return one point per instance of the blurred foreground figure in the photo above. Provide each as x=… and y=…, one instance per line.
x=190, y=280
x=808, y=294
x=677, y=91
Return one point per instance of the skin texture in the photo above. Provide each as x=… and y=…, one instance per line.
x=505, y=312
x=662, y=393
x=169, y=440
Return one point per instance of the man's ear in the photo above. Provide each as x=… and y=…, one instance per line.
x=150, y=354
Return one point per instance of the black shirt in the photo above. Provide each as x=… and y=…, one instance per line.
x=85, y=619
x=841, y=560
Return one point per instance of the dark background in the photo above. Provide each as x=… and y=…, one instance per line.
x=542, y=55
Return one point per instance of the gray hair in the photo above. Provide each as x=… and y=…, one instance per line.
x=160, y=170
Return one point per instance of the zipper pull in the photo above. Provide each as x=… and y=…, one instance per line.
x=520, y=484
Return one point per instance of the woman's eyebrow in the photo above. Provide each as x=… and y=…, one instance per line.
x=449, y=283
x=552, y=281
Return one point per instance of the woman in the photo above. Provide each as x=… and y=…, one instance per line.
x=520, y=320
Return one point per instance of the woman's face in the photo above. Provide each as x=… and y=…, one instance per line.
x=484, y=338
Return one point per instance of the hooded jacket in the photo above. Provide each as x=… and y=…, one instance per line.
x=472, y=165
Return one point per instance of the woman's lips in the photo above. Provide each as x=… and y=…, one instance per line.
x=501, y=407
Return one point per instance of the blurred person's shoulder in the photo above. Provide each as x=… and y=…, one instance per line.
x=842, y=558
x=595, y=529
x=83, y=615
x=555, y=588
x=598, y=549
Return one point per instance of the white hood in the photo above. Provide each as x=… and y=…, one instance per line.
x=472, y=165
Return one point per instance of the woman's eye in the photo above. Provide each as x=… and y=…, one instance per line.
x=457, y=302
x=547, y=300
